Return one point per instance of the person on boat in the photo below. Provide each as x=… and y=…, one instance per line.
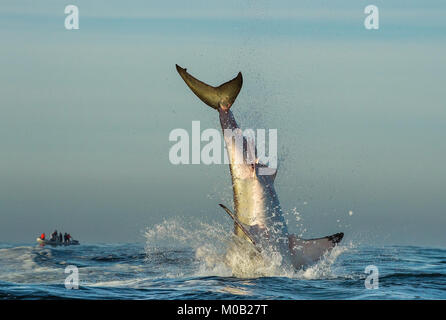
x=60, y=237
x=65, y=237
x=54, y=236
x=69, y=238
x=42, y=236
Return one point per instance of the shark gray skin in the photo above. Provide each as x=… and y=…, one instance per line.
x=258, y=215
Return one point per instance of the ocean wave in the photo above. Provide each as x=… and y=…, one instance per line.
x=194, y=260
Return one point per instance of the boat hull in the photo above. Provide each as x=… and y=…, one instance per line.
x=56, y=243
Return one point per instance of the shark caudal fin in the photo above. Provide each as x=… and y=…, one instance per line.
x=215, y=97
x=307, y=251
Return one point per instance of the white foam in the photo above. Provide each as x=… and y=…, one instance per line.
x=219, y=253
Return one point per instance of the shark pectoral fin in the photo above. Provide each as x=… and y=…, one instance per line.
x=311, y=250
x=215, y=97
x=241, y=225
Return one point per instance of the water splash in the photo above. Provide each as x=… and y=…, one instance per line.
x=323, y=268
x=219, y=253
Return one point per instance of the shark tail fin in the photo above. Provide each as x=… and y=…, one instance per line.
x=222, y=96
x=311, y=250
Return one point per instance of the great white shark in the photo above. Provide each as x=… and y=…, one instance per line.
x=258, y=215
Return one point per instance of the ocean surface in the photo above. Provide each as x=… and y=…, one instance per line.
x=178, y=263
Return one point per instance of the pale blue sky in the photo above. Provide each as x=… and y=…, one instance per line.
x=86, y=114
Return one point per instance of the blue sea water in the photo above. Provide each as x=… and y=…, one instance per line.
x=138, y=271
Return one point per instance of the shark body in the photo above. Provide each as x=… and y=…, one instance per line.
x=258, y=215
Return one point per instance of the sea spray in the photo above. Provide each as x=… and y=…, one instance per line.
x=219, y=253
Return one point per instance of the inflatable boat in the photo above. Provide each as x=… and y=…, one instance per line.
x=57, y=243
